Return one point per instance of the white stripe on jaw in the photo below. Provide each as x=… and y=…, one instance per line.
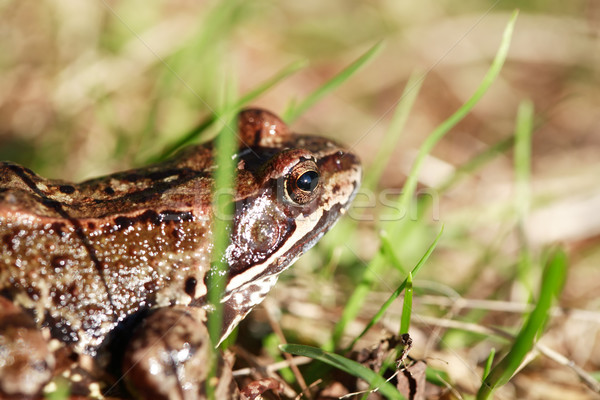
x=257, y=269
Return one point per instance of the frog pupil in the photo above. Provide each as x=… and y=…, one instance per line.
x=308, y=181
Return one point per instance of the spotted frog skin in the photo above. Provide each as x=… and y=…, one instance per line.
x=105, y=281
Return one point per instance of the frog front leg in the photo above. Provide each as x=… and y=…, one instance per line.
x=168, y=357
x=26, y=362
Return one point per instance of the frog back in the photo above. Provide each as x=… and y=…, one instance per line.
x=83, y=256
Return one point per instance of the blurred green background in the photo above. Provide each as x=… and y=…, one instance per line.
x=90, y=87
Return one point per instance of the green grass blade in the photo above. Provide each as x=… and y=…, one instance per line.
x=399, y=290
x=225, y=145
x=488, y=363
x=407, y=306
x=224, y=177
x=293, y=113
x=553, y=281
x=523, y=129
x=194, y=133
x=522, y=160
x=351, y=367
x=444, y=127
x=392, y=136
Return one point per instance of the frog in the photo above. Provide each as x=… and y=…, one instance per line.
x=105, y=282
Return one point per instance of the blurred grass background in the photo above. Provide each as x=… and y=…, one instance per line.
x=87, y=88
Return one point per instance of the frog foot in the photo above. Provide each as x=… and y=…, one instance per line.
x=169, y=357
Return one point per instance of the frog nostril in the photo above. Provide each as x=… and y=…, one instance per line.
x=190, y=286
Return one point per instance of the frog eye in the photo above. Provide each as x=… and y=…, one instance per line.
x=303, y=182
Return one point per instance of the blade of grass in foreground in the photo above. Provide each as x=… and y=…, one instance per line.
x=293, y=113
x=226, y=145
x=553, y=281
x=349, y=366
x=373, y=270
x=224, y=176
x=226, y=142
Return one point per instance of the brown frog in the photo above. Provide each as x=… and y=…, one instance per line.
x=106, y=280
